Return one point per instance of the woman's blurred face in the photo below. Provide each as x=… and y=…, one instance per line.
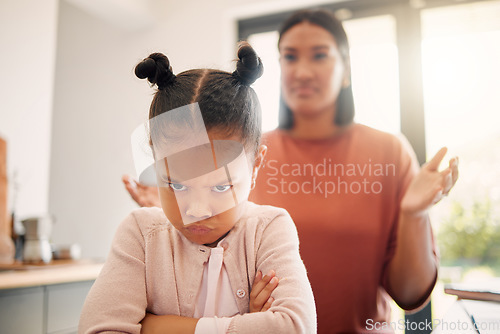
x=312, y=69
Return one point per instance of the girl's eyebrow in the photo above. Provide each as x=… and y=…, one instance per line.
x=167, y=176
x=219, y=181
x=170, y=180
x=224, y=180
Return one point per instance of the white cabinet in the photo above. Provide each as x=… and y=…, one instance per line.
x=21, y=311
x=49, y=309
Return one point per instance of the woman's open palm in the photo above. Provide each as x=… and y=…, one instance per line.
x=143, y=195
x=430, y=185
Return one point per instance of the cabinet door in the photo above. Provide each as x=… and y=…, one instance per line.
x=64, y=305
x=21, y=310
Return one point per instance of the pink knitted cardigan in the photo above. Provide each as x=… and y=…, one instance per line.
x=153, y=268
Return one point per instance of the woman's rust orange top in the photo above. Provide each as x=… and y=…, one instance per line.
x=343, y=194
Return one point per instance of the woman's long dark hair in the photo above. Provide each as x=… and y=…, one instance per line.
x=326, y=19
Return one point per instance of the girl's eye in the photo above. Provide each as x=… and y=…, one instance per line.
x=222, y=188
x=289, y=57
x=177, y=186
x=319, y=56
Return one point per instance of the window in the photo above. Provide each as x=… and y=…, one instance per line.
x=268, y=87
x=374, y=66
x=461, y=71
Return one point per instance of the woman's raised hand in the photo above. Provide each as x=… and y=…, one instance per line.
x=260, y=296
x=430, y=185
x=143, y=195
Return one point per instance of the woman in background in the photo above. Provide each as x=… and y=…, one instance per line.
x=356, y=194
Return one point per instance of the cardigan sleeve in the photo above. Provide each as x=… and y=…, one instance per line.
x=293, y=310
x=117, y=301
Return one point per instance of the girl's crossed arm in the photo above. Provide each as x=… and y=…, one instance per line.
x=292, y=308
x=260, y=301
x=119, y=298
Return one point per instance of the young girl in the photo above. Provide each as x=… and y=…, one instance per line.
x=196, y=264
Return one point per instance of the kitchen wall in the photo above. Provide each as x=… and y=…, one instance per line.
x=28, y=31
x=75, y=99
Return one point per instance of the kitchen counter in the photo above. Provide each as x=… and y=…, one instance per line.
x=58, y=271
x=45, y=298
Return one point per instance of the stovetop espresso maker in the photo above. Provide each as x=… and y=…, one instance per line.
x=36, y=239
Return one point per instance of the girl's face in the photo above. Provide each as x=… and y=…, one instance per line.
x=312, y=69
x=205, y=208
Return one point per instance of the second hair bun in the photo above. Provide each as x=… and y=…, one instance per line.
x=156, y=68
x=249, y=66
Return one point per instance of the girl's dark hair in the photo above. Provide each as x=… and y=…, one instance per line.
x=226, y=100
x=326, y=19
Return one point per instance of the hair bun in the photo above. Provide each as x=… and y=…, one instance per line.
x=249, y=66
x=156, y=68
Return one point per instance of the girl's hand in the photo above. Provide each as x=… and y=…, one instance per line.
x=260, y=297
x=141, y=194
x=173, y=324
x=148, y=324
x=429, y=186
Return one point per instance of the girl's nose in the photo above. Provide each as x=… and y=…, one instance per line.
x=198, y=208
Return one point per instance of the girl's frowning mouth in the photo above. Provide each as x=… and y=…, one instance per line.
x=198, y=229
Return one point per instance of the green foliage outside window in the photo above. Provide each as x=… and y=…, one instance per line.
x=471, y=236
